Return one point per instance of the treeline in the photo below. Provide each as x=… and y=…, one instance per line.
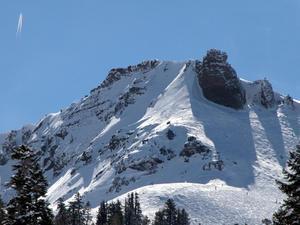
x=29, y=207
x=76, y=213
x=116, y=213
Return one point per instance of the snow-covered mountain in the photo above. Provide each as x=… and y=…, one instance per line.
x=149, y=128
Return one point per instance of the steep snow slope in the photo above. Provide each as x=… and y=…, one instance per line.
x=148, y=128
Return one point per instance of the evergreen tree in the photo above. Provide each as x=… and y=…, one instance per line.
x=170, y=215
x=132, y=212
x=129, y=210
x=170, y=212
x=137, y=210
x=102, y=217
x=115, y=213
x=159, y=218
x=182, y=217
x=87, y=217
x=2, y=212
x=76, y=211
x=145, y=220
x=28, y=206
x=62, y=217
x=289, y=212
x=39, y=190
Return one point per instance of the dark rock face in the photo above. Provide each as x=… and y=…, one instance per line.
x=266, y=94
x=170, y=134
x=146, y=165
x=219, y=81
x=288, y=100
x=194, y=146
x=117, y=73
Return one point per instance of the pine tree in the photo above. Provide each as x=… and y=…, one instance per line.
x=62, y=217
x=182, y=217
x=145, y=220
x=289, y=212
x=87, y=217
x=39, y=190
x=28, y=206
x=137, y=210
x=170, y=215
x=129, y=210
x=76, y=211
x=102, y=217
x=115, y=213
x=132, y=210
x=170, y=212
x=159, y=218
x=2, y=212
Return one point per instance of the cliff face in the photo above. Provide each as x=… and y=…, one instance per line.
x=219, y=80
x=266, y=95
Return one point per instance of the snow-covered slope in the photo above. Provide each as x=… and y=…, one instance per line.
x=148, y=128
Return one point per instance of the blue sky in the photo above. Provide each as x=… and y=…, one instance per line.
x=67, y=46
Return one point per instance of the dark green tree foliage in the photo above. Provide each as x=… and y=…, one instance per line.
x=115, y=213
x=138, y=214
x=62, y=216
x=182, y=217
x=170, y=212
x=102, y=215
x=87, y=217
x=159, y=218
x=76, y=211
x=28, y=206
x=289, y=212
x=145, y=220
x=132, y=212
x=2, y=212
x=170, y=215
x=129, y=210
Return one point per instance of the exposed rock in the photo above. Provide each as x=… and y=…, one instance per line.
x=288, y=100
x=59, y=163
x=26, y=133
x=219, y=165
x=146, y=165
x=62, y=133
x=116, y=73
x=3, y=160
x=170, y=134
x=167, y=152
x=118, y=182
x=116, y=142
x=219, y=81
x=10, y=142
x=120, y=167
x=127, y=98
x=194, y=146
x=265, y=95
x=86, y=157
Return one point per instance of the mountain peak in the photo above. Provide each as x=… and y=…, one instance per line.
x=155, y=125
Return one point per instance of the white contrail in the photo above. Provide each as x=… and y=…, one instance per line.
x=20, y=24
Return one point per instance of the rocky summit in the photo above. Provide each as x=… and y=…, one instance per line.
x=219, y=81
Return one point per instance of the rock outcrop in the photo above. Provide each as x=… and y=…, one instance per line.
x=266, y=95
x=219, y=80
